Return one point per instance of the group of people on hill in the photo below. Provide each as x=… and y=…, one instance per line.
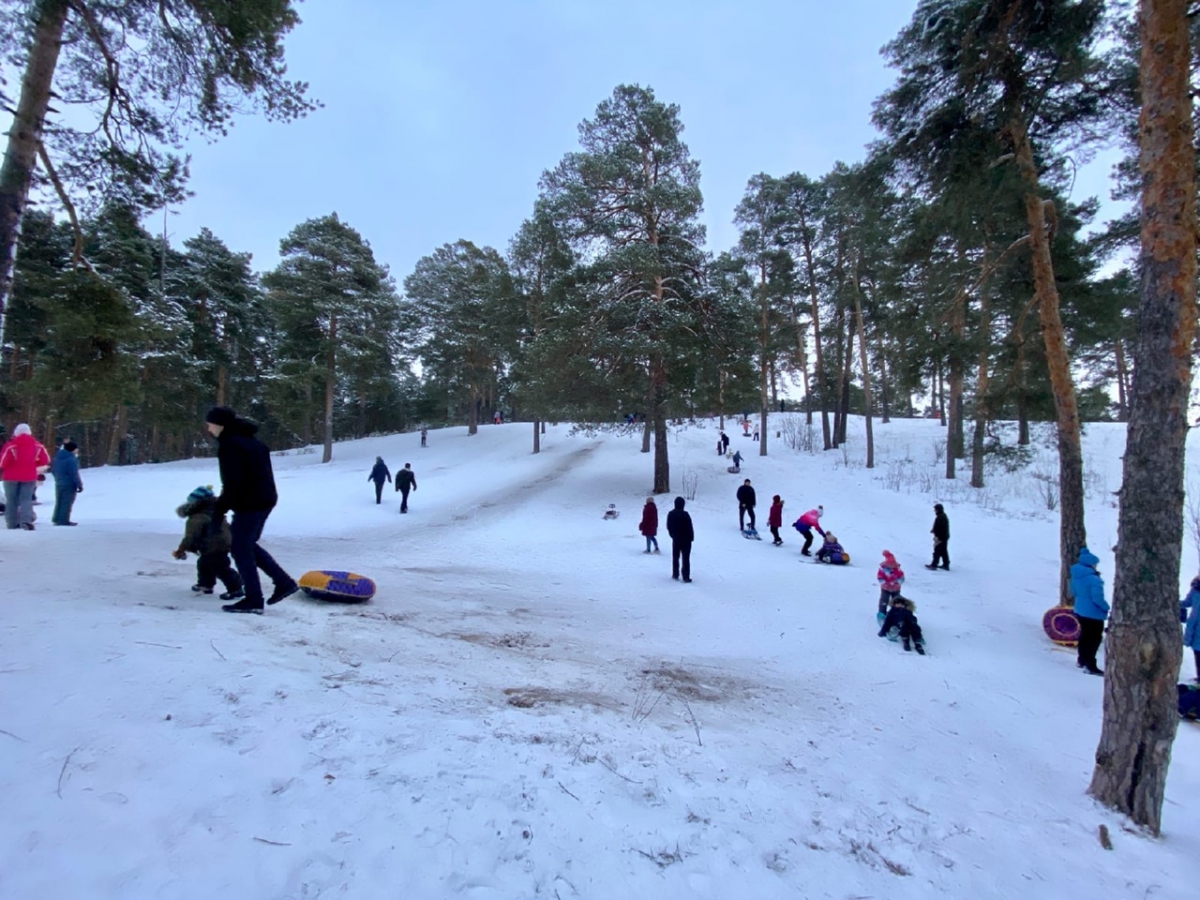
x=24, y=464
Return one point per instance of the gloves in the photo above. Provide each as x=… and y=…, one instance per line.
x=179, y=554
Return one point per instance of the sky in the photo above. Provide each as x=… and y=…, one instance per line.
x=439, y=118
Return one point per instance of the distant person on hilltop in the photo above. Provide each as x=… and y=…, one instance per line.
x=941, y=538
x=424, y=435
x=379, y=475
x=805, y=525
x=406, y=480
x=679, y=527
x=248, y=491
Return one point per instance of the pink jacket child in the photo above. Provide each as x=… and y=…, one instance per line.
x=805, y=525
x=890, y=577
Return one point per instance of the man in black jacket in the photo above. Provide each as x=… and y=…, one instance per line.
x=746, y=501
x=248, y=491
x=679, y=527
x=941, y=537
x=405, y=480
x=379, y=474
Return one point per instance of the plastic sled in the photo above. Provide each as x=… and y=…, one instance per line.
x=751, y=534
x=337, y=587
x=611, y=512
x=1061, y=626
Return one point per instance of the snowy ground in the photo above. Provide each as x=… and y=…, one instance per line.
x=531, y=707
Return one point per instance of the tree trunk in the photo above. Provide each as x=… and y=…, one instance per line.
x=884, y=397
x=662, y=465
x=116, y=435
x=822, y=383
x=941, y=395
x=473, y=412
x=866, y=371
x=25, y=136
x=537, y=436
x=801, y=339
x=1140, y=703
x=330, y=381
x=1022, y=398
x=1122, y=383
x=958, y=325
x=981, y=385
x=1072, y=531
x=847, y=365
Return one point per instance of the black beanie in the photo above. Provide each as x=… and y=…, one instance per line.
x=70, y=446
x=221, y=415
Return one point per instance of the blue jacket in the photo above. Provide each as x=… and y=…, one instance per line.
x=1088, y=587
x=1191, y=631
x=65, y=470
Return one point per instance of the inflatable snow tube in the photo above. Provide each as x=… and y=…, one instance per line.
x=1061, y=626
x=337, y=587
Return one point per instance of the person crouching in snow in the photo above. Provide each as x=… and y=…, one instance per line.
x=890, y=577
x=1091, y=609
x=901, y=622
x=210, y=540
x=649, y=524
x=775, y=519
x=805, y=525
x=832, y=552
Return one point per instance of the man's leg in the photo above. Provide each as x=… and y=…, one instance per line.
x=742, y=516
x=245, y=530
x=378, y=492
x=675, y=559
x=10, y=505
x=404, y=499
x=266, y=562
x=686, y=567
x=750, y=510
x=62, y=509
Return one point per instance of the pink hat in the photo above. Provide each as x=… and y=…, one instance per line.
x=889, y=560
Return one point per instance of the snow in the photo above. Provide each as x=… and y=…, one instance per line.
x=532, y=707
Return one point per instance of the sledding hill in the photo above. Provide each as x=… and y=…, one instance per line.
x=532, y=707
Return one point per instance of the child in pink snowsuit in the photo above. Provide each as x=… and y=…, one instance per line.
x=890, y=577
x=806, y=523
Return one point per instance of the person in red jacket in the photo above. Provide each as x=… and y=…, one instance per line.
x=21, y=461
x=806, y=523
x=649, y=524
x=775, y=519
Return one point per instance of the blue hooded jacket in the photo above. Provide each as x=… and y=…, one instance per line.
x=1191, y=632
x=1088, y=587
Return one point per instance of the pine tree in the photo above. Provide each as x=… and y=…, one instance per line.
x=334, y=305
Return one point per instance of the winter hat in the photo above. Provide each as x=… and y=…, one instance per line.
x=830, y=537
x=70, y=446
x=889, y=560
x=21, y=429
x=776, y=499
x=221, y=415
x=201, y=493
x=938, y=507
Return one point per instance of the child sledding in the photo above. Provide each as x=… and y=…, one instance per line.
x=901, y=624
x=832, y=552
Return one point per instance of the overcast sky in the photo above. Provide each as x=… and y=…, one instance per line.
x=440, y=117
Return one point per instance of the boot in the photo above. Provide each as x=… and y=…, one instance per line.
x=1093, y=670
x=281, y=592
x=919, y=646
x=931, y=566
x=245, y=605
x=200, y=589
x=907, y=644
x=236, y=594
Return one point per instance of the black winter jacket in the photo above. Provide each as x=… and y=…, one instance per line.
x=380, y=474
x=679, y=524
x=941, y=527
x=247, y=480
x=745, y=495
x=405, y=478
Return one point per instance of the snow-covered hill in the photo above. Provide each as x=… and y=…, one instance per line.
x=532, y=707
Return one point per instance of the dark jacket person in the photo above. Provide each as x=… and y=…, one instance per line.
x=248, y=491
x=746, y=501
x=941, y=538
x=379, y=475
x=679, y=527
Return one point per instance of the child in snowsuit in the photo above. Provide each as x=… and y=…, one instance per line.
x=1191, y=631
x=901, y=622
x=775, y=519
x=890, y=576
x=210, y=541
x=832, y=552
x=805, y=525
x=649, y=524
x=1091, y=609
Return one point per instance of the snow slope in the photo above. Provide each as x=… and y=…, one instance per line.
x=532, y=707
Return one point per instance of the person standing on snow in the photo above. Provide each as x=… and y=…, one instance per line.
x=1091, y=609
x=775, y=519
x=379, y=475
x=941, y=538
x=725, y=441
x=21, y=461
x=649, y=524
x=248, y=491
x=805, y=525
x=424, y=436
x=679, y=527
x=406, y=480
x=1191, y=631
x=746, y=500
x=890, y=577
x=67, y=483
